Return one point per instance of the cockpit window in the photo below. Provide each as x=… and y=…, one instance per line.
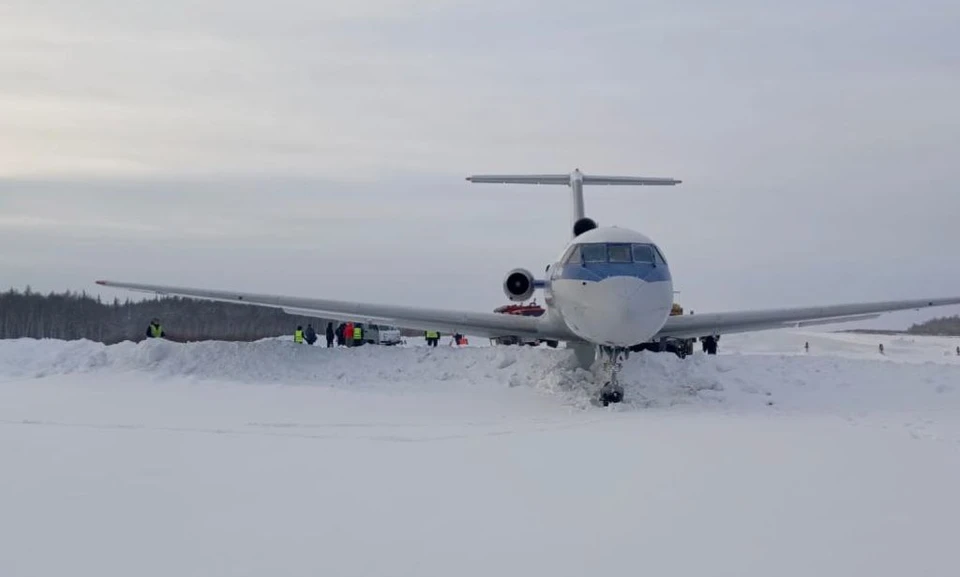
x=619, y=253
x=572, y=256
x=593, y=252
x=660, y=255
x=643, y=253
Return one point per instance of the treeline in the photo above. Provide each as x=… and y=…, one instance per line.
x=944, y=327
x=71, y=316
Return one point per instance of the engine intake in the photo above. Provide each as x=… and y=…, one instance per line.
x=519, y=284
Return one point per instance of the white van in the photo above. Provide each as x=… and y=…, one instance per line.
x=381, y=335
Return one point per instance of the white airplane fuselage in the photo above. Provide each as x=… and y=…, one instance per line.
x=611, y=286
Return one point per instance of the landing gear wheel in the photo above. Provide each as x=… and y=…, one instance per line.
x=611, y=394
x=611, y=391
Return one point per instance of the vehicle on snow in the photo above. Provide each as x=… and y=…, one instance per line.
x=381, y=335
x=679, y=347
x=527, y=310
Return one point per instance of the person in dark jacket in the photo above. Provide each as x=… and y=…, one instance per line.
x=310, y=335
x=339, y=334
x=155, y=330
x=330, y=335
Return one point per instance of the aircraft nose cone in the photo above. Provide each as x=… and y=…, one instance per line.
x=619, y=311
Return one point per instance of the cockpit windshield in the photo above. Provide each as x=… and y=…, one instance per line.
x=643, y=253
x=593, y=252
x=617, y=253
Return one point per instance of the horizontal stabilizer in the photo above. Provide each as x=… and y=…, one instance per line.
x=629, y=180
x=521, y=178
x=568, y=179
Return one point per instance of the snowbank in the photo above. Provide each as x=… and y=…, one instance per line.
x=738, y=379
x=271, y=458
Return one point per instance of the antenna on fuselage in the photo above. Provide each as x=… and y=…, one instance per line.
x=575, y=180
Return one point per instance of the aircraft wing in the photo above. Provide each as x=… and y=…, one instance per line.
x=698, y=325
x=489, y=325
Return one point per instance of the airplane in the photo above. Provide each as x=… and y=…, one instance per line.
x=609, y=291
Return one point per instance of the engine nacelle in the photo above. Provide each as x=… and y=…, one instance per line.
x=519, y=284
x=583, y=225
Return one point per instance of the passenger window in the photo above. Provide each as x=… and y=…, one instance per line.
x=593, y=252
x=619, y=253
x=643, y=253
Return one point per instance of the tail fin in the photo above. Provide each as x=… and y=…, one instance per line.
x=575, y=180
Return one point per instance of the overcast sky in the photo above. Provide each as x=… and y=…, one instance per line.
x=319, y=148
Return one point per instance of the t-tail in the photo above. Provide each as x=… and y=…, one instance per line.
x=575, y=180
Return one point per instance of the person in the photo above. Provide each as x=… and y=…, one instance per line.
x=806, y=346
x=881, y=348
x=357, y=335
x=339, y=334
x=433, y=337
x=330, y=335
x=709, y=344
x=155, y=330
x=310, y=335
x=298, y=334
x=348, y=334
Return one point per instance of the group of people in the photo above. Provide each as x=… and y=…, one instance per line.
x=433, y=339
x=345, y=335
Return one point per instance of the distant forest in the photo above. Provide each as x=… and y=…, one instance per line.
x=944, y=326
x=71, y=316
x=940, y=327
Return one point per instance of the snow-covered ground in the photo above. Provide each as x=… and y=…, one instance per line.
x=275, y=459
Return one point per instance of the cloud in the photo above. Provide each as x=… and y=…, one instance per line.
x=287, y=143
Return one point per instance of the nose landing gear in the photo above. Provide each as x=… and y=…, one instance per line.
x=611, y=391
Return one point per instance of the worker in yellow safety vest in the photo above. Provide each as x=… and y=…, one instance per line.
x=155, y=330
x=298, y=335
x=357, y=335
x=433, y=337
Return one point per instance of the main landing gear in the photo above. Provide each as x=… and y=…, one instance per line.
x=612, y=361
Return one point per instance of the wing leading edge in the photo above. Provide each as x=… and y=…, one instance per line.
x=746, y=321
x=472, y=323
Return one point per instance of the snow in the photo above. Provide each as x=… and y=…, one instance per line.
x=271, y=458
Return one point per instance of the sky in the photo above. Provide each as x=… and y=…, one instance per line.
x=318, y=148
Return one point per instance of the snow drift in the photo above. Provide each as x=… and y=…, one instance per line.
x=271, y=458
x=752, y=375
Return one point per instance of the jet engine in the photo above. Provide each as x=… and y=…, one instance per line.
x=519, y=284
x=583, y=225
